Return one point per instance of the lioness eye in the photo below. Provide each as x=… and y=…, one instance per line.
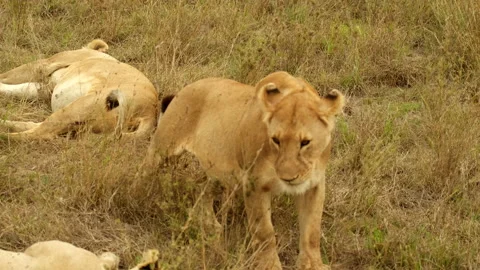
x=276, y=140
x=304, y=143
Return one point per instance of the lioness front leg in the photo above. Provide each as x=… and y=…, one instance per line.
x=310, y=209
x=258, y=208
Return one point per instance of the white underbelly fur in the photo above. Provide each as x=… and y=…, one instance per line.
x=67, y=91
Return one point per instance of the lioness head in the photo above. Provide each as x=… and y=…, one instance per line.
x=299, y=125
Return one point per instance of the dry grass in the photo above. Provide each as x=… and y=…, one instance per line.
x=404, y=179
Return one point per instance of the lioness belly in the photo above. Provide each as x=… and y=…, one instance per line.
x=70, y=89
x=79, y=79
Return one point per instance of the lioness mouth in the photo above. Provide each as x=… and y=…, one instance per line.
x=290, y=183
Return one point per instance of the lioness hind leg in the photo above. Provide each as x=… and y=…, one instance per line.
x=85, y=110
x=164, y=144
x=143, y=130
x=156, y=158
x=18, y=126
x=208, y=216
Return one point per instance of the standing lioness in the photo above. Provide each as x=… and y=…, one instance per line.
x=274, y=138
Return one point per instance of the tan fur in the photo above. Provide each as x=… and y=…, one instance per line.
x=149, y=260
x=98, y=45
x=272, y=138
x=56, y=255
x=91, y=90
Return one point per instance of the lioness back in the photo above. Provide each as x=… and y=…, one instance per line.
x=210, y=116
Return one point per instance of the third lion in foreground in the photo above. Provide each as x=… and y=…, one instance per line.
x=273, y=138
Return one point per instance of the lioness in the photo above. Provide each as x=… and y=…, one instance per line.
x=90, y=89
x=57, y=255
x=272, y=138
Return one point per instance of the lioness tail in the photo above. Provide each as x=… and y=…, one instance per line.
x=166, y=101
x=117, y=99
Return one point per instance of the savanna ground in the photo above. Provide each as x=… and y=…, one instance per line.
x=404, y=179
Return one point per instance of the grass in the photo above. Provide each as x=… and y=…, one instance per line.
x=403, y=181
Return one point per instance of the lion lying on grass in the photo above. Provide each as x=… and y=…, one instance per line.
x=91, y=90
x=272, y=138
x=58, y=255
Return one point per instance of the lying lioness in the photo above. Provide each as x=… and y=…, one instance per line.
x=56, y=255
x=272, y=138
x=91, y=90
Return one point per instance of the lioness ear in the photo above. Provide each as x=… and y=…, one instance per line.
x=334, y=102
x=269, y=95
